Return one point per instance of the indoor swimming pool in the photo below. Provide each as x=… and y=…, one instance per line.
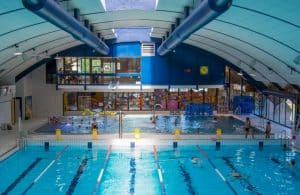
x=163, y=124
x=152, y=169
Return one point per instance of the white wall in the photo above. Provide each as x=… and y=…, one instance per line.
x=46, y=100
x=5, y=109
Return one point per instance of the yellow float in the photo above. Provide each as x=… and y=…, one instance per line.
x=137, y=133
x=58, y=134
x=94, y=134
x=218, y=134
x=177, y=134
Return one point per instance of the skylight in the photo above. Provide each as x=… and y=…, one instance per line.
x=141, y=34
x=117, y=5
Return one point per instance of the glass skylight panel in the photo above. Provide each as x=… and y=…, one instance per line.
x=117, y=5
x=141, y=34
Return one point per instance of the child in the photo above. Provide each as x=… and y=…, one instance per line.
x=247, y=128
x=268, y=130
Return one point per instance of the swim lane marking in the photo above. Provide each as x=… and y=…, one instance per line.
x=76, y=177
x=102, y=170
x=216, y=169
x=21, y=176
x=45, y=170
x=161, y=180
x=132, y=172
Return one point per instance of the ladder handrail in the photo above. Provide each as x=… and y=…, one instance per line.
x=285, y=138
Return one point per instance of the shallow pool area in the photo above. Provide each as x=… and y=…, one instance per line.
x=165, y=124
x=151, y=169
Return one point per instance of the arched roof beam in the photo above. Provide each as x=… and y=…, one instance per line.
x=52, y=12
x=206, y=11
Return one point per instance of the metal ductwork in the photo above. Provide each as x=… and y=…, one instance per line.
x=53, y=13
x=207, y=11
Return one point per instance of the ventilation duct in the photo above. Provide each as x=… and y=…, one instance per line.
x=53, y=13
x=202, y=15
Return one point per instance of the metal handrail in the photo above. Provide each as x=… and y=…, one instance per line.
x=283, y=137
x=238, y=111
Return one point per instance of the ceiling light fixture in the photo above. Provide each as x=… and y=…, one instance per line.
x=252, y=73
x=17, y=52
x=57, y=57
x=239, y=65
x=270, y=71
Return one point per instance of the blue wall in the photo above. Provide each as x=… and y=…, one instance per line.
x=132, y=49
x=181, y=67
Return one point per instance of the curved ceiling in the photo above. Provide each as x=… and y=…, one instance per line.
x=260, y=37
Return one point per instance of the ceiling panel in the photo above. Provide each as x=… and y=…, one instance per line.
x=266, y=32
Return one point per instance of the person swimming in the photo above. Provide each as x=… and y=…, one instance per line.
x=195, y=160
x=235, y=174
x=293, y=163
x=215, y=120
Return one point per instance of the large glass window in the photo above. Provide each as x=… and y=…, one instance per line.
x=122, y=101
x=282, y=111
x=290, y=110
x=276, y=103
x=70, y=101
x=134, y=101
x=128, y=65
x=148, y=101
x=96, y=66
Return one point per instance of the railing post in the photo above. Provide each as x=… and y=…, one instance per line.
x=120, y=125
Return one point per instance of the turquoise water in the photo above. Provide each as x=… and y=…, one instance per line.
x=75, y=170
x=163, y=124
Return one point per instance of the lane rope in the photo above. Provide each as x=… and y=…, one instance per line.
x=45, y=170
x=216, y=169
x=160, y=176
x=102, y=170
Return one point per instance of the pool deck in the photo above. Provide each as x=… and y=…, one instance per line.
x=260, y=124
x=8, y=138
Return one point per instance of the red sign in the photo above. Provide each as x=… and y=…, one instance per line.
x=187, y=70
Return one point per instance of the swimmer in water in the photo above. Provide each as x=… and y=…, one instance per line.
x=195, y=160
x=235, y=174
x=293, y=163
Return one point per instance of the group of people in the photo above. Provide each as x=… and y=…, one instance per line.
x=250, y=130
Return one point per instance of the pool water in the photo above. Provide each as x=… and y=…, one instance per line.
x=77, y=170
x=163, y=124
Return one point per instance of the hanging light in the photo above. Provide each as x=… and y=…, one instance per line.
x=17, y=52
x=57, y=57
x=239, y=65
x=252, y=73
x=240, y=73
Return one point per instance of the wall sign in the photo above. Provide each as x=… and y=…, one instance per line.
x=203, y=70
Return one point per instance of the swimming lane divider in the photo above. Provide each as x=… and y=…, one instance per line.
x=76, y=177
x=14, y=184
x=45, y=170
x=132, y=172
x=102, y=170
x=161, y=180
x=243, y=181
x=216, y=169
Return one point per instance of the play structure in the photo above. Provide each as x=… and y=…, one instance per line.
x=243, y=104
x=88, y=112
x=199, y=109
